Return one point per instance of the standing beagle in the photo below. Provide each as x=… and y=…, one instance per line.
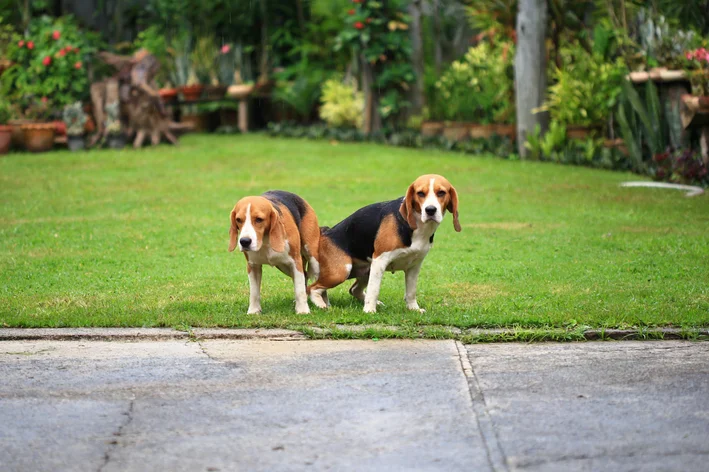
x=279, y=229
x=394, y=235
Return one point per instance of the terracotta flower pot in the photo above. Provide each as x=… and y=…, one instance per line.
x=167, y=94
x=192, y=93
x=431, y=128
x=39, y=137
x=456, y=131
x=506, y=130
x=580, y=132
x=481, y=131
x=5, y=138
x=18, y=136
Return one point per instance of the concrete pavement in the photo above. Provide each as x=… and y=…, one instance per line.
x=223, y=405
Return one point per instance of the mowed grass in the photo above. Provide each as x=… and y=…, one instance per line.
x=139, y=238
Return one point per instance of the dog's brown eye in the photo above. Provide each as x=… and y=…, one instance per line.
x=258, y=220
x=238, y=220
x=421, y=194
x=441, y=193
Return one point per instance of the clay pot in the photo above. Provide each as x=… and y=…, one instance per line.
x=506, y=130
x=481, y=131
x=5, y=138
x=18, y=136
x=192, y=93
x=167, y=94
x=579, y=132
x=39, y=137
x=431, y=128
x=456, y=131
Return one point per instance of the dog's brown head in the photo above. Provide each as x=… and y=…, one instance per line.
x=427, y=199
x=253, y=221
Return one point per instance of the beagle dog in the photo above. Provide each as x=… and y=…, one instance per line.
x=394, y=235
x=279, y=229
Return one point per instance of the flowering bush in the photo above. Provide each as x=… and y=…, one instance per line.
x=49, y=62
x=378, y=33
x=683, y=166
x=697, y=67
x=480, y=87
x=342, y=105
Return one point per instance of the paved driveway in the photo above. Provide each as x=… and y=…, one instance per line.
x=223, y=405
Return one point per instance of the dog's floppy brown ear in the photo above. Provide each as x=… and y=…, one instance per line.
x=453, y=208
x=407, y=208
x=233, y=232
x=276, y=234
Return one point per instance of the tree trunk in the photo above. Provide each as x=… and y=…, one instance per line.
x=263, y=65
x=530, y=69
x=437, y=51
x=418, y=100
x=372, y=118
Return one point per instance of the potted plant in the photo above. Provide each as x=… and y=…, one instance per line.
x=75, y=122
x=193, y=89
x=5, y=130
x=39, y=132
x=205, y=58
x=115, y=137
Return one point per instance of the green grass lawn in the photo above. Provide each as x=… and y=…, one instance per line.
x=139, y=238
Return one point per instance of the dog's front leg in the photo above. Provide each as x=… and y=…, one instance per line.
x=412, y=277
x=376, y=272
x=301, y=296
x=255, y=271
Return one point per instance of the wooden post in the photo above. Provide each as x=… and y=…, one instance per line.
x=244, y=115
x=530, y=69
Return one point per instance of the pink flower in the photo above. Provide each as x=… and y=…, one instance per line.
x=56, y=35
x=77, y=65
x=30, y=44
x=359, y=25
x=45, y=100
x=689, y=55
x=62, y=53
x=20, y=43
x=226, y=48
x=46, y=61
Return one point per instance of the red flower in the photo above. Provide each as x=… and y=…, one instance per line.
x=45, y=100
x=62, y=53
x=689, y=55
x=30, y=44
x=226, y=48
x=56, y=35
x=359, y=25
x=351, y=11
x=356, y=1
x=20, y=43
x=77, y=65
x=46, y=61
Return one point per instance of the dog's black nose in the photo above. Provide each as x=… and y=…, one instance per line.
x=430, y=210
x=245, y=242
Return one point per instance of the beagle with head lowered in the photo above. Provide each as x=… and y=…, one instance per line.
x=279, y=229
x=387, y=236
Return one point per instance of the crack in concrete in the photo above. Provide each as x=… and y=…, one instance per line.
x=495, y=455
x=113, y=444
x=581, y=457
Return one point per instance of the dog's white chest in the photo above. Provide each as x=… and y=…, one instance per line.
x=405, y=258
x=268, y=256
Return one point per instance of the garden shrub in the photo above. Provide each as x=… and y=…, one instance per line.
x=479, y=87
x=342, y=105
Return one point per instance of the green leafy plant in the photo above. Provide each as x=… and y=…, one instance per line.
x=5, y=111
x=553, y=140
x=38, y=110
x=342, y=105
x=585, y=89
x=299, y=88
x=153, y=40
x=50, y=62
x=74, y=119
x=479, y=87
x=204, y=58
